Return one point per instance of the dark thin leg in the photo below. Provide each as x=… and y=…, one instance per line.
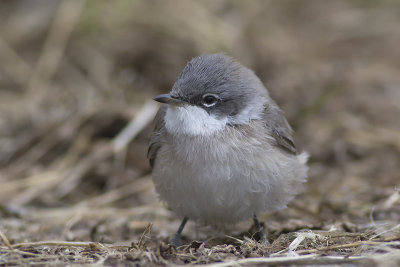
x=261, y=233
x=176, y=239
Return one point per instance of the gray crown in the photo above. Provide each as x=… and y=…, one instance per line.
x=236, y=86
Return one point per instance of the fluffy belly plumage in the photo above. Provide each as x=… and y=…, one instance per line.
x=213, y=191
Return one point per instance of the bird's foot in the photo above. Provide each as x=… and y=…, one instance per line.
x=263, y=239
x=176, y=241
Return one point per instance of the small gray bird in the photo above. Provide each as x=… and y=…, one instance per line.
x=222, y=150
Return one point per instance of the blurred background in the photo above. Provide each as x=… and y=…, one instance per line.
x=77, y=78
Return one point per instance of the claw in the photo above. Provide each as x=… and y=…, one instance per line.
x=176, y=240
x=263, y=239
x=262, y=236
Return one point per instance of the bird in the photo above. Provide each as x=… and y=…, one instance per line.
x=222, y=150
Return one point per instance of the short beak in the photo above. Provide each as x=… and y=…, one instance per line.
x=167, y=99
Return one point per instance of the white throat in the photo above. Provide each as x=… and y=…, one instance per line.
x=192, y=120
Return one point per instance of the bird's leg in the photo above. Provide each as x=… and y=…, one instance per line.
x=261, y=233
x=176, y=239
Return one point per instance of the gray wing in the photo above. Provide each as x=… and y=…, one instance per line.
x=279, y=128
x=156, y=136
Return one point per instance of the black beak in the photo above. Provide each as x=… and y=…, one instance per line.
x=167, y=99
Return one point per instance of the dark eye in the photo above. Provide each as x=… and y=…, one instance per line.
x=209, y=100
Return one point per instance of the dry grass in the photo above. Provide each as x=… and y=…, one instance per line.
x=76, y=78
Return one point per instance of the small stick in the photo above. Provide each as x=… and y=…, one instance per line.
x=55, y=243
x=137, y=124
x=5, y=240
x=355, y=244
x=298, y=260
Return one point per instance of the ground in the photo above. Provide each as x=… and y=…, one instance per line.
x=76, y=82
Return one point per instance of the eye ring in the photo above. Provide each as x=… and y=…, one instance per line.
x=209, y=100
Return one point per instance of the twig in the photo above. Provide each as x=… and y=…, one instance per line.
x=72, y=177
x=57, y=243
x=5, y=240
x=391, y=200
x=43, y=141
x=298, y=260
x=350, y=245
x=389, y=238
x=384, y=232
x=235, y=239
x=137, y=186
x=146, y=232
x=27, y=182
x=13, y=64
x=64, y=22
x=30, y=254
x=62, y=214
x=142, y=118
